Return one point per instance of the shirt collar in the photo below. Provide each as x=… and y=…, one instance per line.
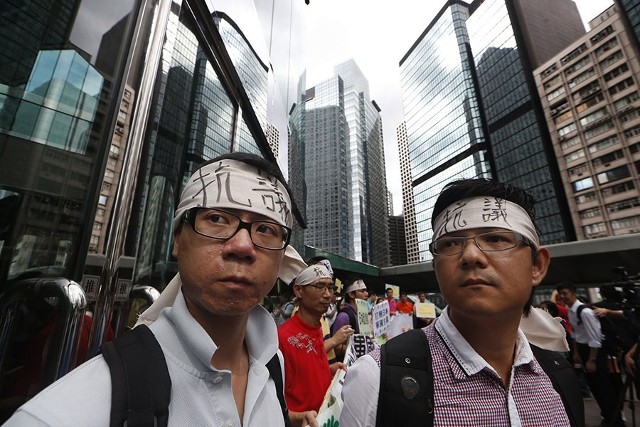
x=468, y=359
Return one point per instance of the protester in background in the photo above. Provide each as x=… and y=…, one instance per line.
x=215, y=336
x=487, y=260
x=404, y=306
x=392, y=301
x=588, y=351
x=420, y=322
x=307, y=370
x=348, y=314
x=371, y=301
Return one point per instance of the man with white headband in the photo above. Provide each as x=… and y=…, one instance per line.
x=231, y=232
x=487, y=260
x=301, y=340
x=348, y=314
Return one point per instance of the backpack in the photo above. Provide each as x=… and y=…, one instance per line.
x=618, y=335
x=406, y=382
x=140, y=381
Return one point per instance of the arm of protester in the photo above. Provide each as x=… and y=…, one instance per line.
x=341, y=337
x=337, y=365
x=303, y=419
x=605, y=312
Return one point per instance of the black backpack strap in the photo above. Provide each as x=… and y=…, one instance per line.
x=140, y=382
x=579, y=313
x=406, y=381
x=275, y=371
x=565, y=382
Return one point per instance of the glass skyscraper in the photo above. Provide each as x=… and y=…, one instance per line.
x=445, y=137
x=339, y=141
x=174, y=83
x=475, y=113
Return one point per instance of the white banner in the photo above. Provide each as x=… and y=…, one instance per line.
x=363, y=317
x=399, y=323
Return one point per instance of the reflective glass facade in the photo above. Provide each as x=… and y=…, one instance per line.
x=519, y=139
x=342, y=151
x=105, y=109
x=444, y=128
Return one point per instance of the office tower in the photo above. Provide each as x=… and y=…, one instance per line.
x=342, y=150
x=408, y=204
x=105, y=109
x=471, y=108
x=504, y=57
x=589, y=92
x=629, y=11
x=397, y=240
x=444, y=128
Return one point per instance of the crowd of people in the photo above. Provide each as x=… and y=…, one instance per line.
x=489, y=358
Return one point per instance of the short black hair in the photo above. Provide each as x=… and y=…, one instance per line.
x=566, y=285
x=477, y=187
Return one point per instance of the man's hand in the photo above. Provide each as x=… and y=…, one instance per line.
x=342, y=335
x=337, y=365
x=600, y=312
x=303, y=419
x=629, y=361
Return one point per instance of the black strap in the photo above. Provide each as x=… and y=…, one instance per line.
x=406, y=381
x=141, y=386
x=564, y=381
x=275, y=371
x=409, y=355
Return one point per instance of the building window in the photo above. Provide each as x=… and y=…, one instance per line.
x=572, y=142
x=604, y=143
x=608, y=158
x=596, y=115
x=619, y=224
x=618, y=188
x=555, y=93
x=586, y=198
x=590, y=213
x=615, y=174
x=629, y=99
x=578, y=65
x=606, y=47
x=628, y=82
x=582, y=77
x=574, y=156
x=616, y=72
x=567, y=129
x=623, y=205
x=583, y=184
x=601, y=35
x=102, y=201
x=594, y=230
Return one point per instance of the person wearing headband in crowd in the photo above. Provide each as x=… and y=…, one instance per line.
x=230, y=236
x=487, y=260
x=301, y=340
x=348, y=314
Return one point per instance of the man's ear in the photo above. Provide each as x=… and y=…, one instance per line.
x=540, y=266
x=174, y=250
x=297, y=290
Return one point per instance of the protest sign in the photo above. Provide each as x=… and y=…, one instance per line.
x=399, y=323
x=425, y=310
x=363, y=317
x=380, y=318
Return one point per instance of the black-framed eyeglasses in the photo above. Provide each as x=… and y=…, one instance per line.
x=322, y=287
x=492, y=241
x=222, y=225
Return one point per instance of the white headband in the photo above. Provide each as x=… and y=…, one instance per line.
x=484, y=212
x=356, y=286
x=233, y=184
x=313, y=273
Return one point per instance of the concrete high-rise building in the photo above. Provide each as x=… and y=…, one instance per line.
x=339, y=142
x=590, y=96
x=471, y=109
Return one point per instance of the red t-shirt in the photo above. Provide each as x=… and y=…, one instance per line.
x=306, y=369
x=404, y=307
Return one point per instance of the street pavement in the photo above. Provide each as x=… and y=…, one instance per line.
x=592, y=413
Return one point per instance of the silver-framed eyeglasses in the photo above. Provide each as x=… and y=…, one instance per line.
x=223, y=225
x=322, y=287
x=492, y=241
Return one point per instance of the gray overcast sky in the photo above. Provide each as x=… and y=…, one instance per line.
x=366, y=30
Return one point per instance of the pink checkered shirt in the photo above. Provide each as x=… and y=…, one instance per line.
x=468, y=392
